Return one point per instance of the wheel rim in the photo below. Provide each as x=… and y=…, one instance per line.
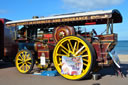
x=23, y=61
x=77, y=47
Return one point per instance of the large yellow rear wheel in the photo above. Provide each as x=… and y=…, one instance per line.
x=76, y=46
x=24, y=61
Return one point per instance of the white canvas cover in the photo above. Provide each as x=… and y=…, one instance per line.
x=72, y=65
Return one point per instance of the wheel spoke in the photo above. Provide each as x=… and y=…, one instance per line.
x=20, y=63
x=27, y=66
x=70, y=45
x=74, y=47
x=77, y=46
x=21, y=57
x=24, y=67
x=65, y=52
x=84, y=55
x=23, y=54
x=29, y=63
x=85, y=64
x=61, y=55
x=28, y=56
x=85, y=60
x=82, y=52
x=79, y=50
x=28, y=59
x=64, y=48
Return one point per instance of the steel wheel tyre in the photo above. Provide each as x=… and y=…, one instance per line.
x=24, y=61
x=76, y=46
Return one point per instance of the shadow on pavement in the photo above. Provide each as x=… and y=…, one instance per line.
x=5, y=64
x=110, y=71
x=124, y=69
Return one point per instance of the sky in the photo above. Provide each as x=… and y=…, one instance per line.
x=25, y=9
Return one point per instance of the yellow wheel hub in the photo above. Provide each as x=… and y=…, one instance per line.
x=72, y=46
x=24, y=61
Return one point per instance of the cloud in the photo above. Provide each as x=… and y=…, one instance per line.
x=3, y=11
x=90, y=4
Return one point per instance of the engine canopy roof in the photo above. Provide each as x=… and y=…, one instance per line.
x=73, y=19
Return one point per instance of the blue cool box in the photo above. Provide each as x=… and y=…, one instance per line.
x=48, y=73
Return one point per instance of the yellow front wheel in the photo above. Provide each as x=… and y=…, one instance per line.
x=24, y=61
x=74, y=46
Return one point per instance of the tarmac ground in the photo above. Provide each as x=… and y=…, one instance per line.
x=10, y=76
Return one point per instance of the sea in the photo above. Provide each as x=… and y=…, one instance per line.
x=122, y=47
